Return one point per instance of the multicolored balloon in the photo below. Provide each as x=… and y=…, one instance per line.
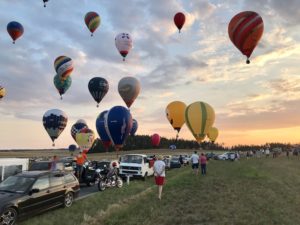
x=199, y=118
x=100, y=126
x=175, y=114
x=245, y=30
x=15, y=30
x=98, y=88
x=63, y=66
x=92, y=21
x=212, y=134
x=118, y=124
x=2, y=92
x=129, y=88
x=45, y=2
x=123, y=43
x=179, y=20
x=62, y=85
x=79, y=125
x=85, y=139
x=155, y=140
x=134, y=127
x=55, y=121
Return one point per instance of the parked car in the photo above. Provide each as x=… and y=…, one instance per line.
x=45, y=165
x=210, y=155
x=186, y=159
x=224, y=156
x=175, y=163
x=32, y=192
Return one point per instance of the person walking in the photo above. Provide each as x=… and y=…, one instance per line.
x=159, y=174
x=54, y=163
x=203, y=162
x=195, y=162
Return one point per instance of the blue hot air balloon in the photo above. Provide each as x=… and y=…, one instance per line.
x=72, y=148
x=100, y=126
x=118, y=124
x=134, y=127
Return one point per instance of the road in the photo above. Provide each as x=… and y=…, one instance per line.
x=86, y=191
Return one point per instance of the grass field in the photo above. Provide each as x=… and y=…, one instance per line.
x=254, y=191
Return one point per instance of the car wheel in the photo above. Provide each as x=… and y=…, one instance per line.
x=119, y=182
x=69, y=198
x=101, y=185
x=145, y=176
x=9, y=216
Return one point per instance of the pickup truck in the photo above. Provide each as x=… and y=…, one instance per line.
x=135, y=165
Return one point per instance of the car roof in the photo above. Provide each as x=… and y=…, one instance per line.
x=135, y=154
x=38, y=173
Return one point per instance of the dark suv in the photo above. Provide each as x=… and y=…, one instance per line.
x=32, y=192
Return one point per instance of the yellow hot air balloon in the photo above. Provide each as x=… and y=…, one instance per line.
x=175, y=114
x=213, y=134
x=2, y=92
x=199, y=118
x=85, y=138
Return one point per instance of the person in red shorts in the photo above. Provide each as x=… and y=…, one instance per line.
x=160, y=174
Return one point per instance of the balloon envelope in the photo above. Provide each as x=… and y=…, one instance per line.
x=72, y=148
x=2, y=92
x=123, y=43
x=175, y=113
x=62, y=85
x=134, y=127
x=118, y=124
x=98, y=88
x=92, y=21
x=129, y=88
x=82, y=121
x=100, y=126
x=199, y=118
x=15, y=30
x=63, y=66
x=179, y=20
x=55, y=121
x=245, y=30
x=213, y=134
x=85, y=138
x=155, y=140
x=76, y=128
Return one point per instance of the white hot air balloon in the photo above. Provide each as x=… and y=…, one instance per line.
x=123, y=43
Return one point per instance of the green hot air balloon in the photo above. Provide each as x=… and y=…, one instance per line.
x=62, y=85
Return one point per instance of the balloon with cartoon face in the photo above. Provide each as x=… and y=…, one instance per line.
x=123, y=43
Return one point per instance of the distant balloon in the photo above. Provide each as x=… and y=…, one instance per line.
x=2, y=92
x=179, y=20
x=72, y=148
x=100, y=126
x=63, y=66
x=123, y=43
x=92, y=21
x=55, y=121
x=85, y=138
x=129, y=88
x=175, y=114
x=62, y=85
x=199, y=118
x=245, y=30
x=76, y=128
x=155, y=140
x=45, y=2
x=15, y=30
x=134, y=127
x=98, y=88
x=118, y=123
x=213, y=134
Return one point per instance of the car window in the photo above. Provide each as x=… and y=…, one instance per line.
x=42, y=183
x=69, y=178
x=40, y=166
x=56, y=179
x=12, y=170
x=16, y=184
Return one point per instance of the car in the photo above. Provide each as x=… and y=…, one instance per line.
x=175, y=163
x=45, y=165
x=224, y=156
x=32, y=192
x=186, y=159
x=210, y=155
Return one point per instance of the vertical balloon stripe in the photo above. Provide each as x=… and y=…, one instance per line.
x=187, y=120
x=204, y=117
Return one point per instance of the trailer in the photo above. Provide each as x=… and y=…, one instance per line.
x=12, y=166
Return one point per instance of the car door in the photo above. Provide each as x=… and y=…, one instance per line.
x=57, y=188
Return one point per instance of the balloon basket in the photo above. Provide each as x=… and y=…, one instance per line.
x=53, y=145
x=248, y=61
x=14, y=42
x=92, y=35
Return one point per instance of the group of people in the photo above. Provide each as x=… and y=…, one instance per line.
x=196, y=160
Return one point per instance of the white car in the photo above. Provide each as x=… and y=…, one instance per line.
x=224, y=156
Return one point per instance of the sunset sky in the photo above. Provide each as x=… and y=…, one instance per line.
x=254, y=104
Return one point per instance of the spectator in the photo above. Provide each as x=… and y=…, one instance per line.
x=54, y=163
x=267, y=152
x=159, y=174
x=181, y=159
x=195, y=162
x=80, y=159
x=203, y=162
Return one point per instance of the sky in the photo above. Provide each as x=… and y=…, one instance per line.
x=254, y=104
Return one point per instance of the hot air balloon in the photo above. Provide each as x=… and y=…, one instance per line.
x=55, y=121
x=2, y=92
x=92, y=21
x=129, y=89
x=199, y=118
x=155, y=140
x=98, y=88
x=179, y=20
x=123, y=43
x=85, y=138
x=62, y=85
x=213, y=134
x=175, y=114
x=15, y=30
x=134, y=127
x=245, y=30
x=63, y=66
x=118, y=123
x=82, y=121
x=45, y=2
x=100, y=126
x=72, y=148
x=76, y=128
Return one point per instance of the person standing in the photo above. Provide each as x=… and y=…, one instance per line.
x=203, y=162
x=181, y=160
x=195, y=162
x=54, y=163
x=159, y=174
x=80, y=159
x=267, y=152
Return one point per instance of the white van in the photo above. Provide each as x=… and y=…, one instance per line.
x=12, y=166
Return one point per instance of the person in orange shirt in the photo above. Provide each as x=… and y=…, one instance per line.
x=80, y=159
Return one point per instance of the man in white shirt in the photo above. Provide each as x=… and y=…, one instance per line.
x=195, y=162
x=160, y=174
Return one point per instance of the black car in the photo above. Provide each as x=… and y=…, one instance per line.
x=175, y=163
x=210, y=155
x=32, y=192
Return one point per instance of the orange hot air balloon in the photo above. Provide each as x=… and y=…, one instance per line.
x=245, y=30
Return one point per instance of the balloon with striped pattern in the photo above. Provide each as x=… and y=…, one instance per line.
x=63, y=66
x=92, y=21
x=245, y=30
